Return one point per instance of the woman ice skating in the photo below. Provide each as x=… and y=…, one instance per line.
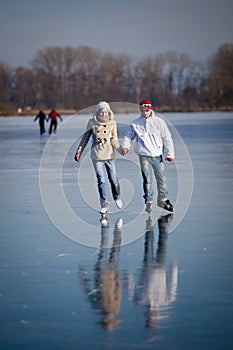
x=103, y=129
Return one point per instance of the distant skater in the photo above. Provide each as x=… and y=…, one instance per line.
x=53, y=115
x=42, y=118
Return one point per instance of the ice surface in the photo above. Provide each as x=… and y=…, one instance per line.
x=58, y=282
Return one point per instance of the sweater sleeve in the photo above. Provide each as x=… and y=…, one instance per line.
x=114, y=138
x=85, y=139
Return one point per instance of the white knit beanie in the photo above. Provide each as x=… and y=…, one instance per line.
x=102, y=104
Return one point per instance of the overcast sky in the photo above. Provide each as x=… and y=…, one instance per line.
x=136, y=27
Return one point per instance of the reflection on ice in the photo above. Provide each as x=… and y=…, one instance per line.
x=106, y=294
x=155, y=288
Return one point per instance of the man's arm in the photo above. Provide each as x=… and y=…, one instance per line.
x=128, y=137
x=168, y=143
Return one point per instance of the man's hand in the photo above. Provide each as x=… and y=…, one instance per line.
x=77, y=157
x=169, y=159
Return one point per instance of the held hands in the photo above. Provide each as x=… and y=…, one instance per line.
x=169, y=159
x=123, y=151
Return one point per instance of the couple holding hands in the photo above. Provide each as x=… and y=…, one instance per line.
x=151, y=136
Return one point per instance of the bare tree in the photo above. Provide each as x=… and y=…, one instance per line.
x=149, y=79
x=77, y=77
x=6, y=88
x=113, y=75
x=219, y=84
x=24, y=87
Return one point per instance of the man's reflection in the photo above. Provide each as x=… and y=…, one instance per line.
x=157, y=286
x=106, y=294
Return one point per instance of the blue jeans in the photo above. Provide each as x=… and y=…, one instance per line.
x=150, y=165
x=103, y=168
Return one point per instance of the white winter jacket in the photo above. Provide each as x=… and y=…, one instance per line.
x=151, y=135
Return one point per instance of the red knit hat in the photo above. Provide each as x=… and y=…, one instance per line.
x=146, y=104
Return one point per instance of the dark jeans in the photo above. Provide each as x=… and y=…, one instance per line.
x=53, y=126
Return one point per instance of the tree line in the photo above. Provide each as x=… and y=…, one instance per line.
x=78, y=77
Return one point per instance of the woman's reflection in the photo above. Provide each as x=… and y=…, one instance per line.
x=106, y=295
x=157, y=286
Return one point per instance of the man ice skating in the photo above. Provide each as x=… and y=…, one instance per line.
x=151, y=136
x=42, y=117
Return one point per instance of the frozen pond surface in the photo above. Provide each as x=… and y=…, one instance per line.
x=166, y=284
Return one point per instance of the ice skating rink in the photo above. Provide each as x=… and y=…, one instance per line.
x=158, y=282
